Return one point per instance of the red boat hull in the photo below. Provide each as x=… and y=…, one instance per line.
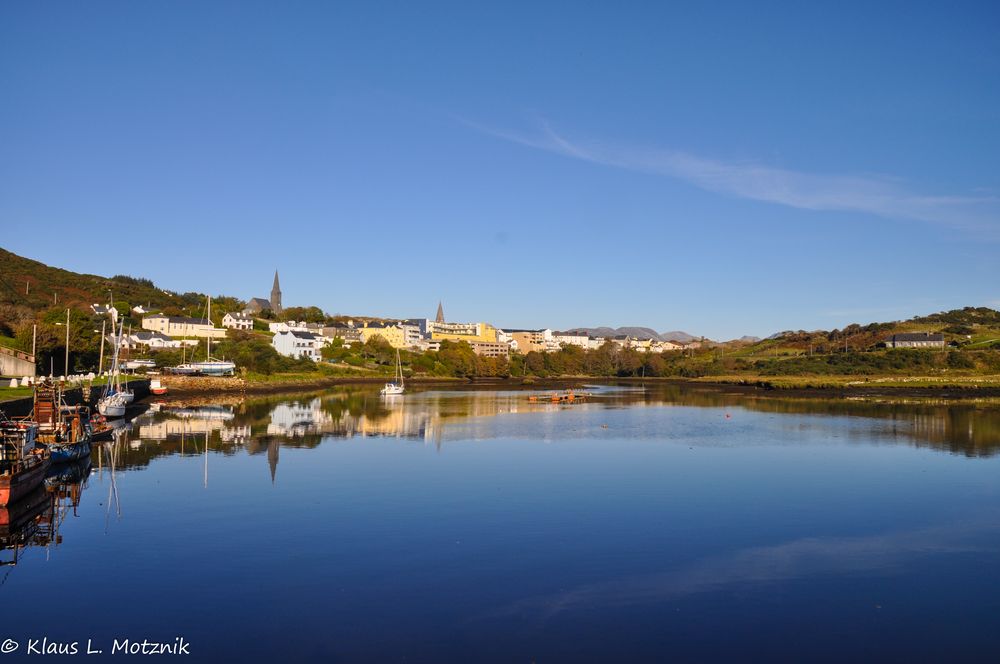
x=20, y=484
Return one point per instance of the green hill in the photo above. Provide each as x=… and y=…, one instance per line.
x=33, y=294
x=29, y=283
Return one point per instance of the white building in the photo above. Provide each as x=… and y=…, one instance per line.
x=295, y=326
x=412, y=336
x=105, y=310
x=293, y=343
x=507, y=338
x=182, y=326
x=580, y=339
x=238, y=320
x=152, y=339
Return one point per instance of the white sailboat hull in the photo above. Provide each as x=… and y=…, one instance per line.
x=112, y=406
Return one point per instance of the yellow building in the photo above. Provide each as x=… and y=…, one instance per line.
x=393, y=334
x=471, y=332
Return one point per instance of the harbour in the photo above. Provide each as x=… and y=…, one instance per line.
x=662, y=504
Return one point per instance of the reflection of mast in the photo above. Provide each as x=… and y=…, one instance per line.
x=272, y=457
x=206, y=459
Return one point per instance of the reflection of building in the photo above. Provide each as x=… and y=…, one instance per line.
x=176, y=423
x=273, y=447
x=238, y=435
x=297, y=419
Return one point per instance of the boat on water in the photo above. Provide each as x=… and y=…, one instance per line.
x=156, y=387
x=64, y=431
x=112, y=405
x=115, y=399
x=396, y=387
x=22, y=464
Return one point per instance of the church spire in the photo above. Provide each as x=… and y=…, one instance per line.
x=440, y=314
x=276, y=295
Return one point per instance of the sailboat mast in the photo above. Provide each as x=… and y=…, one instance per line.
x=208, y=352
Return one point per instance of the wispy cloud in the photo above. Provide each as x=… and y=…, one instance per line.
x=877, y=195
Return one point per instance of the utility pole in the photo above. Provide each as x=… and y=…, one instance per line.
x=34, y=337
x=67, y=345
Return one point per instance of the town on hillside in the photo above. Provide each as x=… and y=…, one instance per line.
x=302, y=339
x=190, y=333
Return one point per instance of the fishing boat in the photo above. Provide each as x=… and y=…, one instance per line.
x=156, y=387
x=22, y=465
x=64, y=431
x=396, y=387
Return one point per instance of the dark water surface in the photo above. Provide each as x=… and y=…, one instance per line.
x=658, y=524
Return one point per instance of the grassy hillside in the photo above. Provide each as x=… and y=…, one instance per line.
x=971, y=328
x=36, y=286
x=33, y=294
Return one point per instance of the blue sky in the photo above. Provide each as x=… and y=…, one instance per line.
x=724, y=169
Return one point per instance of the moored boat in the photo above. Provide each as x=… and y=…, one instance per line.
x=63, y=430
x=112, y=405
x=156, y=387
x=22, y=465
x=115, y=398
x=396, y=387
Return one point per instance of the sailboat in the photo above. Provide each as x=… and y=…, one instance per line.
x=396, y=387
x=211, y=366
x=113, y=402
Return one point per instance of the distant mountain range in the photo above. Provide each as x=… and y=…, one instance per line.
x=636, y=332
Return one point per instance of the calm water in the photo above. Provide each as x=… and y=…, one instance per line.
x=663, y=524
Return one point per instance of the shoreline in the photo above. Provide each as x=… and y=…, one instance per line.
x=205, y=386
x=184, y=386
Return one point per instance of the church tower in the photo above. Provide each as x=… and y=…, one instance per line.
x=276, y=296
x=440, y=316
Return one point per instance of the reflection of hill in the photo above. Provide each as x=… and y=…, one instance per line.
x=963, y=427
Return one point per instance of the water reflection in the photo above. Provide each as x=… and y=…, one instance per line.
x=260, y=426
x=35, y=520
